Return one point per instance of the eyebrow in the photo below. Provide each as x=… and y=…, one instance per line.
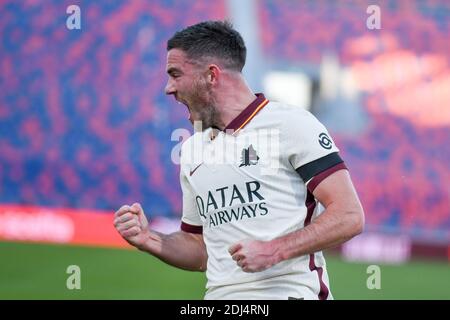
x=171, y=70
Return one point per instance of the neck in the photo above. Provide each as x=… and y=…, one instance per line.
x=234, y=97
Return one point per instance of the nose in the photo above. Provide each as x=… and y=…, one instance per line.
x=170, y=89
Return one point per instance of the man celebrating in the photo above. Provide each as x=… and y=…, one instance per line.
x=258, y=236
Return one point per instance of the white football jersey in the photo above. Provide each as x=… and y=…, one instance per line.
x=254, y=180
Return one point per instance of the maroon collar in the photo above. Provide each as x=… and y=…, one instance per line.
x=248, y=113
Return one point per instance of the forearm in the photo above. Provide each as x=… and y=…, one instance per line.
x=179, y=249
x=342, y=219
x=330, y=229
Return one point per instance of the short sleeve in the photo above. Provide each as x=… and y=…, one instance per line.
x=190, y=220
x=310, y=148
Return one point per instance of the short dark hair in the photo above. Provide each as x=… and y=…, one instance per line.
x=215, y=39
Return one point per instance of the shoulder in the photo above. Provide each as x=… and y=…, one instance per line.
x=293, y=121
x=288, y=119
x=289, y=114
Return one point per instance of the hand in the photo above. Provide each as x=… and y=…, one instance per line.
x=254, y=255
x=131, y=223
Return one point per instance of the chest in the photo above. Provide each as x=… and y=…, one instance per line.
x=229, y=160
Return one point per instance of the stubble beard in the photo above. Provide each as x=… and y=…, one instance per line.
x=206, y=107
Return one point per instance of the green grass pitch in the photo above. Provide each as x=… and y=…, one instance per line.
x=38, y=271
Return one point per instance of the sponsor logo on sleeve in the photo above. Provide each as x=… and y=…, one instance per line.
x=325, y=141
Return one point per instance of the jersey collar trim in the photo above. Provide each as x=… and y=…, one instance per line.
x=247, y=114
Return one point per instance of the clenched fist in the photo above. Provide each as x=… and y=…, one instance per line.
x=131, y=223
x=254, y=255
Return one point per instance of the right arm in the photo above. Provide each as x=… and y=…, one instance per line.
x=180, y=249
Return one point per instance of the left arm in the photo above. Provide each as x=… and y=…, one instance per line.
x=342, y=219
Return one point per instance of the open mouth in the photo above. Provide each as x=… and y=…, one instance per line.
x=187, y=106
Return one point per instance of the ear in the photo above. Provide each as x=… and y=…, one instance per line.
x=214, y=73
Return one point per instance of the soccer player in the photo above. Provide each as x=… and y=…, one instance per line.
x=257, y=235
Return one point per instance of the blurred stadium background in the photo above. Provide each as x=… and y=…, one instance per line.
x=85, y=127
